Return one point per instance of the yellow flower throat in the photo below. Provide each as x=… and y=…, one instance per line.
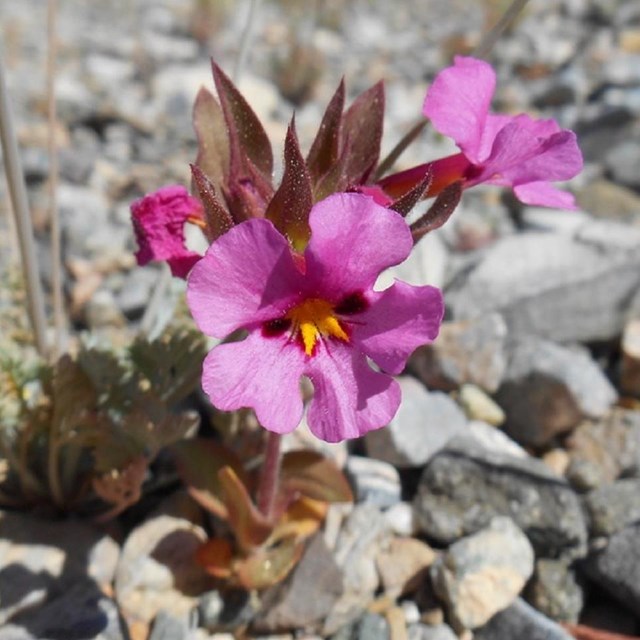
x=314, y=318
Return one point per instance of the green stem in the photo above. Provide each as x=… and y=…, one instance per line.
x=269, y=475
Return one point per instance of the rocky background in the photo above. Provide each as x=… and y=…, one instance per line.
x=503, y=502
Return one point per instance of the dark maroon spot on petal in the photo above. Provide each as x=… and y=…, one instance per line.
x=472, y=171
x=354, y=303
x=275, y=327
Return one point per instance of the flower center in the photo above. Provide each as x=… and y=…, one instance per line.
x=314, y=318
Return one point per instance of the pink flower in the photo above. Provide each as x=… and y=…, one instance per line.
x=313, y=315
x=514, y=151
x=158, y=222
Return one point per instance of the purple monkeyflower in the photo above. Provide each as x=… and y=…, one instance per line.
x=314, y=314
x=158, y=221
x=514, y=151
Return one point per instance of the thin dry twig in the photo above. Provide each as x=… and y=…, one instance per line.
x=24, y=227
x=245, y=41
x=54, y=218
x=481, y=51
x=491, y=37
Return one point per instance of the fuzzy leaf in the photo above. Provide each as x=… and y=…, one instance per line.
x=198, y=462
x=311, y=474
x=290, y=206
x=325, y=149
x=249, y=525
x=363, y=124
x=439, y=212
x=172, y=363
x=217, y=219
x=216, y=556
x=75, y=397
x=335, y=179
x=405, y=203
x=213, y=138
x=268, y=566
x=242, y=121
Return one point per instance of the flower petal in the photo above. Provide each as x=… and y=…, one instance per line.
x=558, y=158
x=400, y=319
x=458, y=100
x=158, y=222
x=246, y=277
x=353, y=239
x=259, y=372
x=349, y=398
x=545, y=195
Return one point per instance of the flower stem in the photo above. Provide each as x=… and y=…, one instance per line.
x=268, y=483
x=399, y=149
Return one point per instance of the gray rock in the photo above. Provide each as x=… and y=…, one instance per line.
x=306, y=596
x=83, y=611
x=613, y=507
x=554, y=591
x=608, y=448
x=617, y=567
x=134, y=295
x=423, y=425
x=521, y=620
x=431, y=632
x=226, y=611
x=470, y=351
x=363, y=532
x=168, y=627
x=465, y=485
x=622, y=160
x=370, y=627
x=42, y=559
x=630, y=366
x=479, y=406
x=548, y=389
x=157, y=569
x=483, y=573
x=374, y=481
x=558, y=286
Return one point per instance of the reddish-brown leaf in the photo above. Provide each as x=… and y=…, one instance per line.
x=439, y=212
x=217, y=218
x=362, y=130
x=325, y=149
x=198, y=461
x=290, y=206
x=405, y=203
x=583, y=632
x=243, y=123
x=216, y=556
x=250, y=527
x=212, y=135
x=310, y=474
x=267, y=566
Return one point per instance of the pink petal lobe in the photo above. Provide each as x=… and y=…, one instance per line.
x=458, y=100
x=158, y=222
x=545, y=195
x=512, y=147
x=246, y=277
x=400, y=319
x=349, y=397
x=352, y=240
x=558, y=158
x=259, y=372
